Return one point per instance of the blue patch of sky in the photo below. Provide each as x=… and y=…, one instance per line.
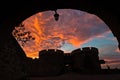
x=100, y=41
x=67, y=47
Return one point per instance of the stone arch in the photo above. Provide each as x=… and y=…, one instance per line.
x=18, y=12
x=26, y=9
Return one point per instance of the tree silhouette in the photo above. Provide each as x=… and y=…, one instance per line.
x=22, y=35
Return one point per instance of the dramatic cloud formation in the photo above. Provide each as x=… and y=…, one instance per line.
x=73, y=29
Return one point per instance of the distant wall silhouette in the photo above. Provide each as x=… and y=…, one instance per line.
x=53, y=62
x=86, y=59
x=78, y=59
x=50, y=63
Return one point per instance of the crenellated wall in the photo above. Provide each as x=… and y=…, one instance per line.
x=86, y=59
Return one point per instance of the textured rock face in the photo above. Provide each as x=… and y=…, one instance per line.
x=10, y=72
x=11, y=61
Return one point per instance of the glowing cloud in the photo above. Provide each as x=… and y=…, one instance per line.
x=73, y=28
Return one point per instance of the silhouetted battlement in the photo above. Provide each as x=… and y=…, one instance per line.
x=52, y=62
x=50, y=52
x=86, y=59
x=82, y=60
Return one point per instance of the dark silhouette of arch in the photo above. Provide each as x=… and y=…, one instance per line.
x=13, y=13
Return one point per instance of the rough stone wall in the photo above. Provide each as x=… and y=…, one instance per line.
x=11, y=60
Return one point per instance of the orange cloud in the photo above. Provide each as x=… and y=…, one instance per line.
x=33, y=54
x=74, y=27
x=75, y=41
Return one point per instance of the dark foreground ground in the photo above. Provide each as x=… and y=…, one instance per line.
x=76, y=76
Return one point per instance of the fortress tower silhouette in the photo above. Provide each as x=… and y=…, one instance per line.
x=83, y=60
x=86, y=59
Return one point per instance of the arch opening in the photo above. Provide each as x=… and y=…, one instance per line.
x=73, y=30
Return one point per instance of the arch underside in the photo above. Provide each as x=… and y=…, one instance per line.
x=23, y=10
x=14, y=13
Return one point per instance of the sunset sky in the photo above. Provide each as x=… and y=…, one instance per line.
x=74, y=29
